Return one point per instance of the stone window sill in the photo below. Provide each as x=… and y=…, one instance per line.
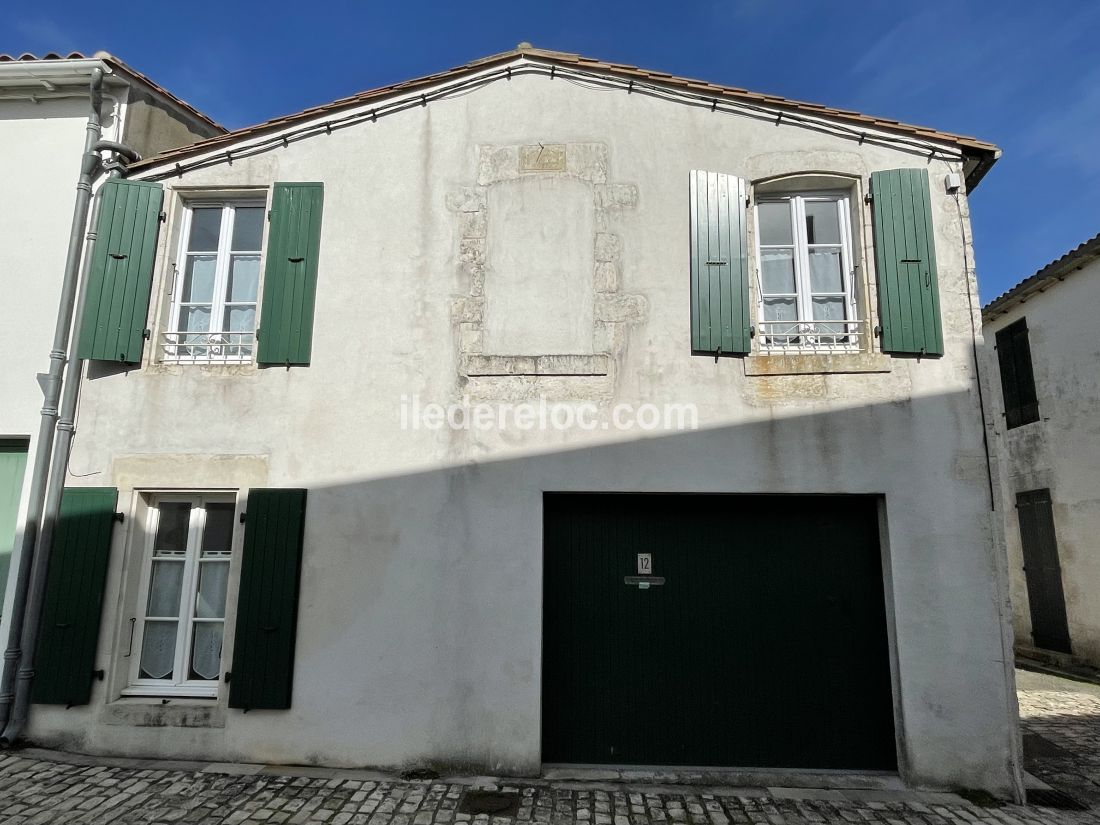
x=497, y=365
x=151, y=712
x=802, y=364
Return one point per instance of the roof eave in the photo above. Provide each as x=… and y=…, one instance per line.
x=1058, y=270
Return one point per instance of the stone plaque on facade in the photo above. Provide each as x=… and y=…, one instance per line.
x=542, y=157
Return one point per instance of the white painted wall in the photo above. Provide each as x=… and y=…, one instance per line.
x=42, y=143
x=1061, y=451
x=420, y=620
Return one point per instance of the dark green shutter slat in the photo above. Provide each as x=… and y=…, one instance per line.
x=719, y=264
x=905, y=260
x=74, y=596
x=267, y=604
x=1017, y=375
x=121, y=274
x=290, y=285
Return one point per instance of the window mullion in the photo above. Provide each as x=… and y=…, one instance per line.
x=221, y=272
x=801, y=258
x=846, y=241
x=187, y=597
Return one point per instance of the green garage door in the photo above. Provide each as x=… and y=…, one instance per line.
x=13, y=461
x=765, y=644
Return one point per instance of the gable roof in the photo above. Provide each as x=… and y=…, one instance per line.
x=1045, y=278
x=124, y=70
x=980, y=155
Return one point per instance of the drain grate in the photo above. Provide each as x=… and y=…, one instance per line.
x=1052, y=798
x=494, y=803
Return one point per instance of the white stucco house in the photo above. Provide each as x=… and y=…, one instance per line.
x=541, y=411
x=44, y=108
x=1047, y=438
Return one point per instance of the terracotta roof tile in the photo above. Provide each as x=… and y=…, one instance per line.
x=985, y=152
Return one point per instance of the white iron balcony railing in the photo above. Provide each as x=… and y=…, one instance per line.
x=812, y=337
x=207, y=347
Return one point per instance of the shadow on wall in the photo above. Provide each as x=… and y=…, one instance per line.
x=435, y=578
x=421, y=610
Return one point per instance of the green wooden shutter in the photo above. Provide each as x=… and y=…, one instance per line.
x=71, y=611
x=290, y=277
x=1017, y=376
x=267, y=605
x=905, y=258
x=121, y=274
x=719, y=264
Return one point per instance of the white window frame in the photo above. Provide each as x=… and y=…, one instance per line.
x=181, y=353
x=178, y=685
x=804, y=295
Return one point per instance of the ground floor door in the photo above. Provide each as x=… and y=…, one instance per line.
x=13, y=462
x=715, y=630
x=1042, y=571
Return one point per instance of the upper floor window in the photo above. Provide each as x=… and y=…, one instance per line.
x=185, y=573
x=1017, y=376
x=807, y=297
x=213, y=313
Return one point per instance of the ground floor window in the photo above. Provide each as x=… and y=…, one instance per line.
x=185, y=572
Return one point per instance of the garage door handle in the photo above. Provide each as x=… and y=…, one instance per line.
x=643, y=581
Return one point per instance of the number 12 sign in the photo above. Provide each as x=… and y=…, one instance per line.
x=645, y=564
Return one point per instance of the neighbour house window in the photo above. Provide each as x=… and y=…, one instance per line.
x=1017, y=377
x=806, y=299
x=213, y=313
x=177, y=645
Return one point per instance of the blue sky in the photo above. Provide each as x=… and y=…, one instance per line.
x=1023, y=75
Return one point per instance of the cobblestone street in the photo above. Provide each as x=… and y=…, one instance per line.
x=1061, y=727
x=1061, y=732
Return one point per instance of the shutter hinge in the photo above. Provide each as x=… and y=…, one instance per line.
x=257, y=333
x=146, y=333
x=242, y=517
x=227, y=676
x=752, y=331
x=877, y=330
x=98, y=674
x=868, y=198
x=119, y=517
x=162, y=217
x=269, y=216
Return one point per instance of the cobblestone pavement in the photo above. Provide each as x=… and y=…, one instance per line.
x=1060, y=719
x=39, y=787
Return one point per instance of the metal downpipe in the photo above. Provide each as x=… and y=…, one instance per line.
x=89, y=165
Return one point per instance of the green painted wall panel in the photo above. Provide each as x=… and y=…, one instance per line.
x=905, y=261
x=719, y=264
x=121, y=275
x=74, y=596
x=267, y=604
x=13, y=463
x=290, y=275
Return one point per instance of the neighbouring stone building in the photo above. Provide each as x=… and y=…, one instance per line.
x=540, y=411
x=1042, y=353
x=44, y=107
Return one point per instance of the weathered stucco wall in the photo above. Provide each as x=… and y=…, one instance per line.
x=1060, y=451
x=420, y=622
